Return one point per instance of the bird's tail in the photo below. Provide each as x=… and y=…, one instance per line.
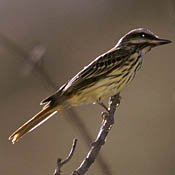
x=34, y=122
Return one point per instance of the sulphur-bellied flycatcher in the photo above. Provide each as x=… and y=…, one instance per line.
x=106, y=76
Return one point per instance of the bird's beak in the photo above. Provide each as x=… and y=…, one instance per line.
x=160, y=41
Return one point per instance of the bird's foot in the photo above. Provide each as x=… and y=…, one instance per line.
x=104, y=106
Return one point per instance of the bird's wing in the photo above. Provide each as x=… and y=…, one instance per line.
x=99, y=67
x=96, y=70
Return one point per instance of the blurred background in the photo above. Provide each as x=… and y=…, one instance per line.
x=62, y=37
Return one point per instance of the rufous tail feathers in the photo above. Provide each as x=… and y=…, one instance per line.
x=38, y=119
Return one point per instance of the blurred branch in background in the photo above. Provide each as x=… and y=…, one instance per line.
x=36, y=57
x=33, y=60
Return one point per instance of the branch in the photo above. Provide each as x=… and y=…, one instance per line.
x=60, y=163
x=108, y=121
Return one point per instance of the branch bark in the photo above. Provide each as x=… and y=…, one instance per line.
x=108, y=121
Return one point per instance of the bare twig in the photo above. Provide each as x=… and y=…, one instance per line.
x=101, y=137
x=71, y=152
x=60, y=163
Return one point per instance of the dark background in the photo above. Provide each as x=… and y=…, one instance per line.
x=74, y=33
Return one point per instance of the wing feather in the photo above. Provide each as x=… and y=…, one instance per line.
x=100, y=66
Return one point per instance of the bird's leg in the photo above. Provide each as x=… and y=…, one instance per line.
x=102, y=105
x=105, y=113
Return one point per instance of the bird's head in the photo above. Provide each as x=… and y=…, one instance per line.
x=141, y=38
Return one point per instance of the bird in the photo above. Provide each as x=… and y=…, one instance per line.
x=104, y=77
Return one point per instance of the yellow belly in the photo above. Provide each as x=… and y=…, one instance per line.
x=101, y=90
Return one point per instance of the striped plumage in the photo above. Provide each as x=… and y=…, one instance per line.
x=106, y=76
x=110, y=73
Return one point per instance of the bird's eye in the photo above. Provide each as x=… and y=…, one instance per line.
x=142, y=35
